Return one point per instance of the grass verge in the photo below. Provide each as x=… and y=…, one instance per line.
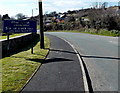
x=18, y=68
x=102, y=32
x=13, y=35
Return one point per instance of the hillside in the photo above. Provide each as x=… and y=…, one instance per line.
x=100, y=18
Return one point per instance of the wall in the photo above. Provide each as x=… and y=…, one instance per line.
x=0, y=24
x=17, y=44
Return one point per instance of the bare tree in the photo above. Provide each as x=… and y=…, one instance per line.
x=104, y=5
x=95, y=4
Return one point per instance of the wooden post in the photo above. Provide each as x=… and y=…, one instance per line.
x=41, y=25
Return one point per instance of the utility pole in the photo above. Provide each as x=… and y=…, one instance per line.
x=41, y=25
x=119, y=4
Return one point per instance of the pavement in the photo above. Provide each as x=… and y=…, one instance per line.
x=61, y=71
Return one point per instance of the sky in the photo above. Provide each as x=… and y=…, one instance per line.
x=13, y=7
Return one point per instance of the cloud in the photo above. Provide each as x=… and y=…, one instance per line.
x=64, y=5
x=67, y=3
x=12, y=7
x=16, y=1
x=10, y=11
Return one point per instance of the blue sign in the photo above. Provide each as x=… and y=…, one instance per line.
x=19, y=26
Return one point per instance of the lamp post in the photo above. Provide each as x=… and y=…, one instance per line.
x=33, y=11
x=41, y=25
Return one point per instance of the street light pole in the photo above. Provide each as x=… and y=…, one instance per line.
x=41, y=25
x=33, y=11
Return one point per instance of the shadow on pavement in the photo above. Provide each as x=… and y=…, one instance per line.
x=44, y=61
x=61, y=51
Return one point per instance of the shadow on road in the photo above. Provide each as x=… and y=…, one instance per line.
x=100, y=57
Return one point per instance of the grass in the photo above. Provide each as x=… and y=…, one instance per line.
x=18, y=68
x=102, y=32
x=38, y=27
x=13, y=35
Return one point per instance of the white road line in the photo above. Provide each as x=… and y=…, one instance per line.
x=82, y=67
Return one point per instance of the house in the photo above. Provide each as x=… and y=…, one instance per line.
x=47, y=22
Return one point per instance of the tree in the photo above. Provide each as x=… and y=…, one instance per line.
x=6, y=16
x=104, y=5
x=20, y=16
x=95, y=5
x=54, y=13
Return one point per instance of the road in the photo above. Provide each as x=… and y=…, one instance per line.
x=100, y=54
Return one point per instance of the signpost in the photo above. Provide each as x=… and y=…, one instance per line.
x=19, y=26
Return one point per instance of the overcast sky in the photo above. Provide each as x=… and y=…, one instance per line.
x=13, y=7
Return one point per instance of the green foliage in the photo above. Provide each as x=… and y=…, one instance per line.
x=104, y=21
x=103, y=32
x=38, y=27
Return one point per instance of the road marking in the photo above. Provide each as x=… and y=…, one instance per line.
x=82, y=67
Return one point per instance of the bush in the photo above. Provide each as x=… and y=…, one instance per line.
x=115, y=32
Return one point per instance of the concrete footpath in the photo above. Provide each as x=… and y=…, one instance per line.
x=61, y=71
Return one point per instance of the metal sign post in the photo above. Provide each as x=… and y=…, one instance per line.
x=32, y=45
x=8, y=48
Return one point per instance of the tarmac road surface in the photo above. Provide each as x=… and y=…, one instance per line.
x=100, y=54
